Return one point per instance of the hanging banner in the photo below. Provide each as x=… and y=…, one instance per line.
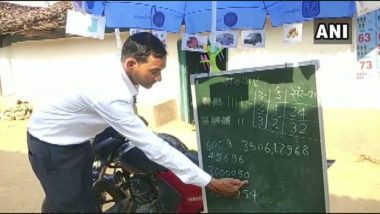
x=253, y=38
x=162, y=35
x=226, y=39
x=194, y=42
x=292, y=33
x=368, y=45
x=84, y=24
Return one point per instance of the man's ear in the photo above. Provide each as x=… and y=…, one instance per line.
x=130, y=63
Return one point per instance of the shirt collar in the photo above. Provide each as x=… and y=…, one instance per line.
x=132, y=88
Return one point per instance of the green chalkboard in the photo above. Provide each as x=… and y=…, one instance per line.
x=263, y=125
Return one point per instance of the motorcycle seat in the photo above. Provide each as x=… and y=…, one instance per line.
x=173, y=141
x=106, y=147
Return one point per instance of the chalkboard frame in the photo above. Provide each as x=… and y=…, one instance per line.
x=316, y=63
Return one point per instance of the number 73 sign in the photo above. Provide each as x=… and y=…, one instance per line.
x=366, y=68
x=368, y=45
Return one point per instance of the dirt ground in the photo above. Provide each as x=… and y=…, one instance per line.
x=352, y=138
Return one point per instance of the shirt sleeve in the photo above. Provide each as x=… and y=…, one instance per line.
x=120, y=115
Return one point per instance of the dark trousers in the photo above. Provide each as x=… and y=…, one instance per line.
x=65, y=173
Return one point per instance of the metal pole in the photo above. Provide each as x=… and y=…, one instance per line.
x=213, y=29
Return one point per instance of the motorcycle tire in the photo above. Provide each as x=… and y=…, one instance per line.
x=102, y=190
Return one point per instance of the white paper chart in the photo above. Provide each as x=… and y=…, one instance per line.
x=368, y=45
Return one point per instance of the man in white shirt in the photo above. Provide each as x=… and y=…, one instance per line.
x=59, y=134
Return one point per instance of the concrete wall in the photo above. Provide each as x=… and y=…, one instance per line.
x=41, y=70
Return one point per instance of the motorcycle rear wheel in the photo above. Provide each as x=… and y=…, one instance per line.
x=110, y=198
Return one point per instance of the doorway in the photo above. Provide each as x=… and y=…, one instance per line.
x=190, y=63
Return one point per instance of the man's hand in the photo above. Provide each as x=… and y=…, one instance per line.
x=228, y=187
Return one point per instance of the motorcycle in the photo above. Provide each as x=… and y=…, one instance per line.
x=125, y=180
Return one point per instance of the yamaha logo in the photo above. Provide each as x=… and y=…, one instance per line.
x=194, y=199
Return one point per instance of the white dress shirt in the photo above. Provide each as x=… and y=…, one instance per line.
x=104, y=99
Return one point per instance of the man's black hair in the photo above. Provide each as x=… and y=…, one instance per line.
x=141, y=45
